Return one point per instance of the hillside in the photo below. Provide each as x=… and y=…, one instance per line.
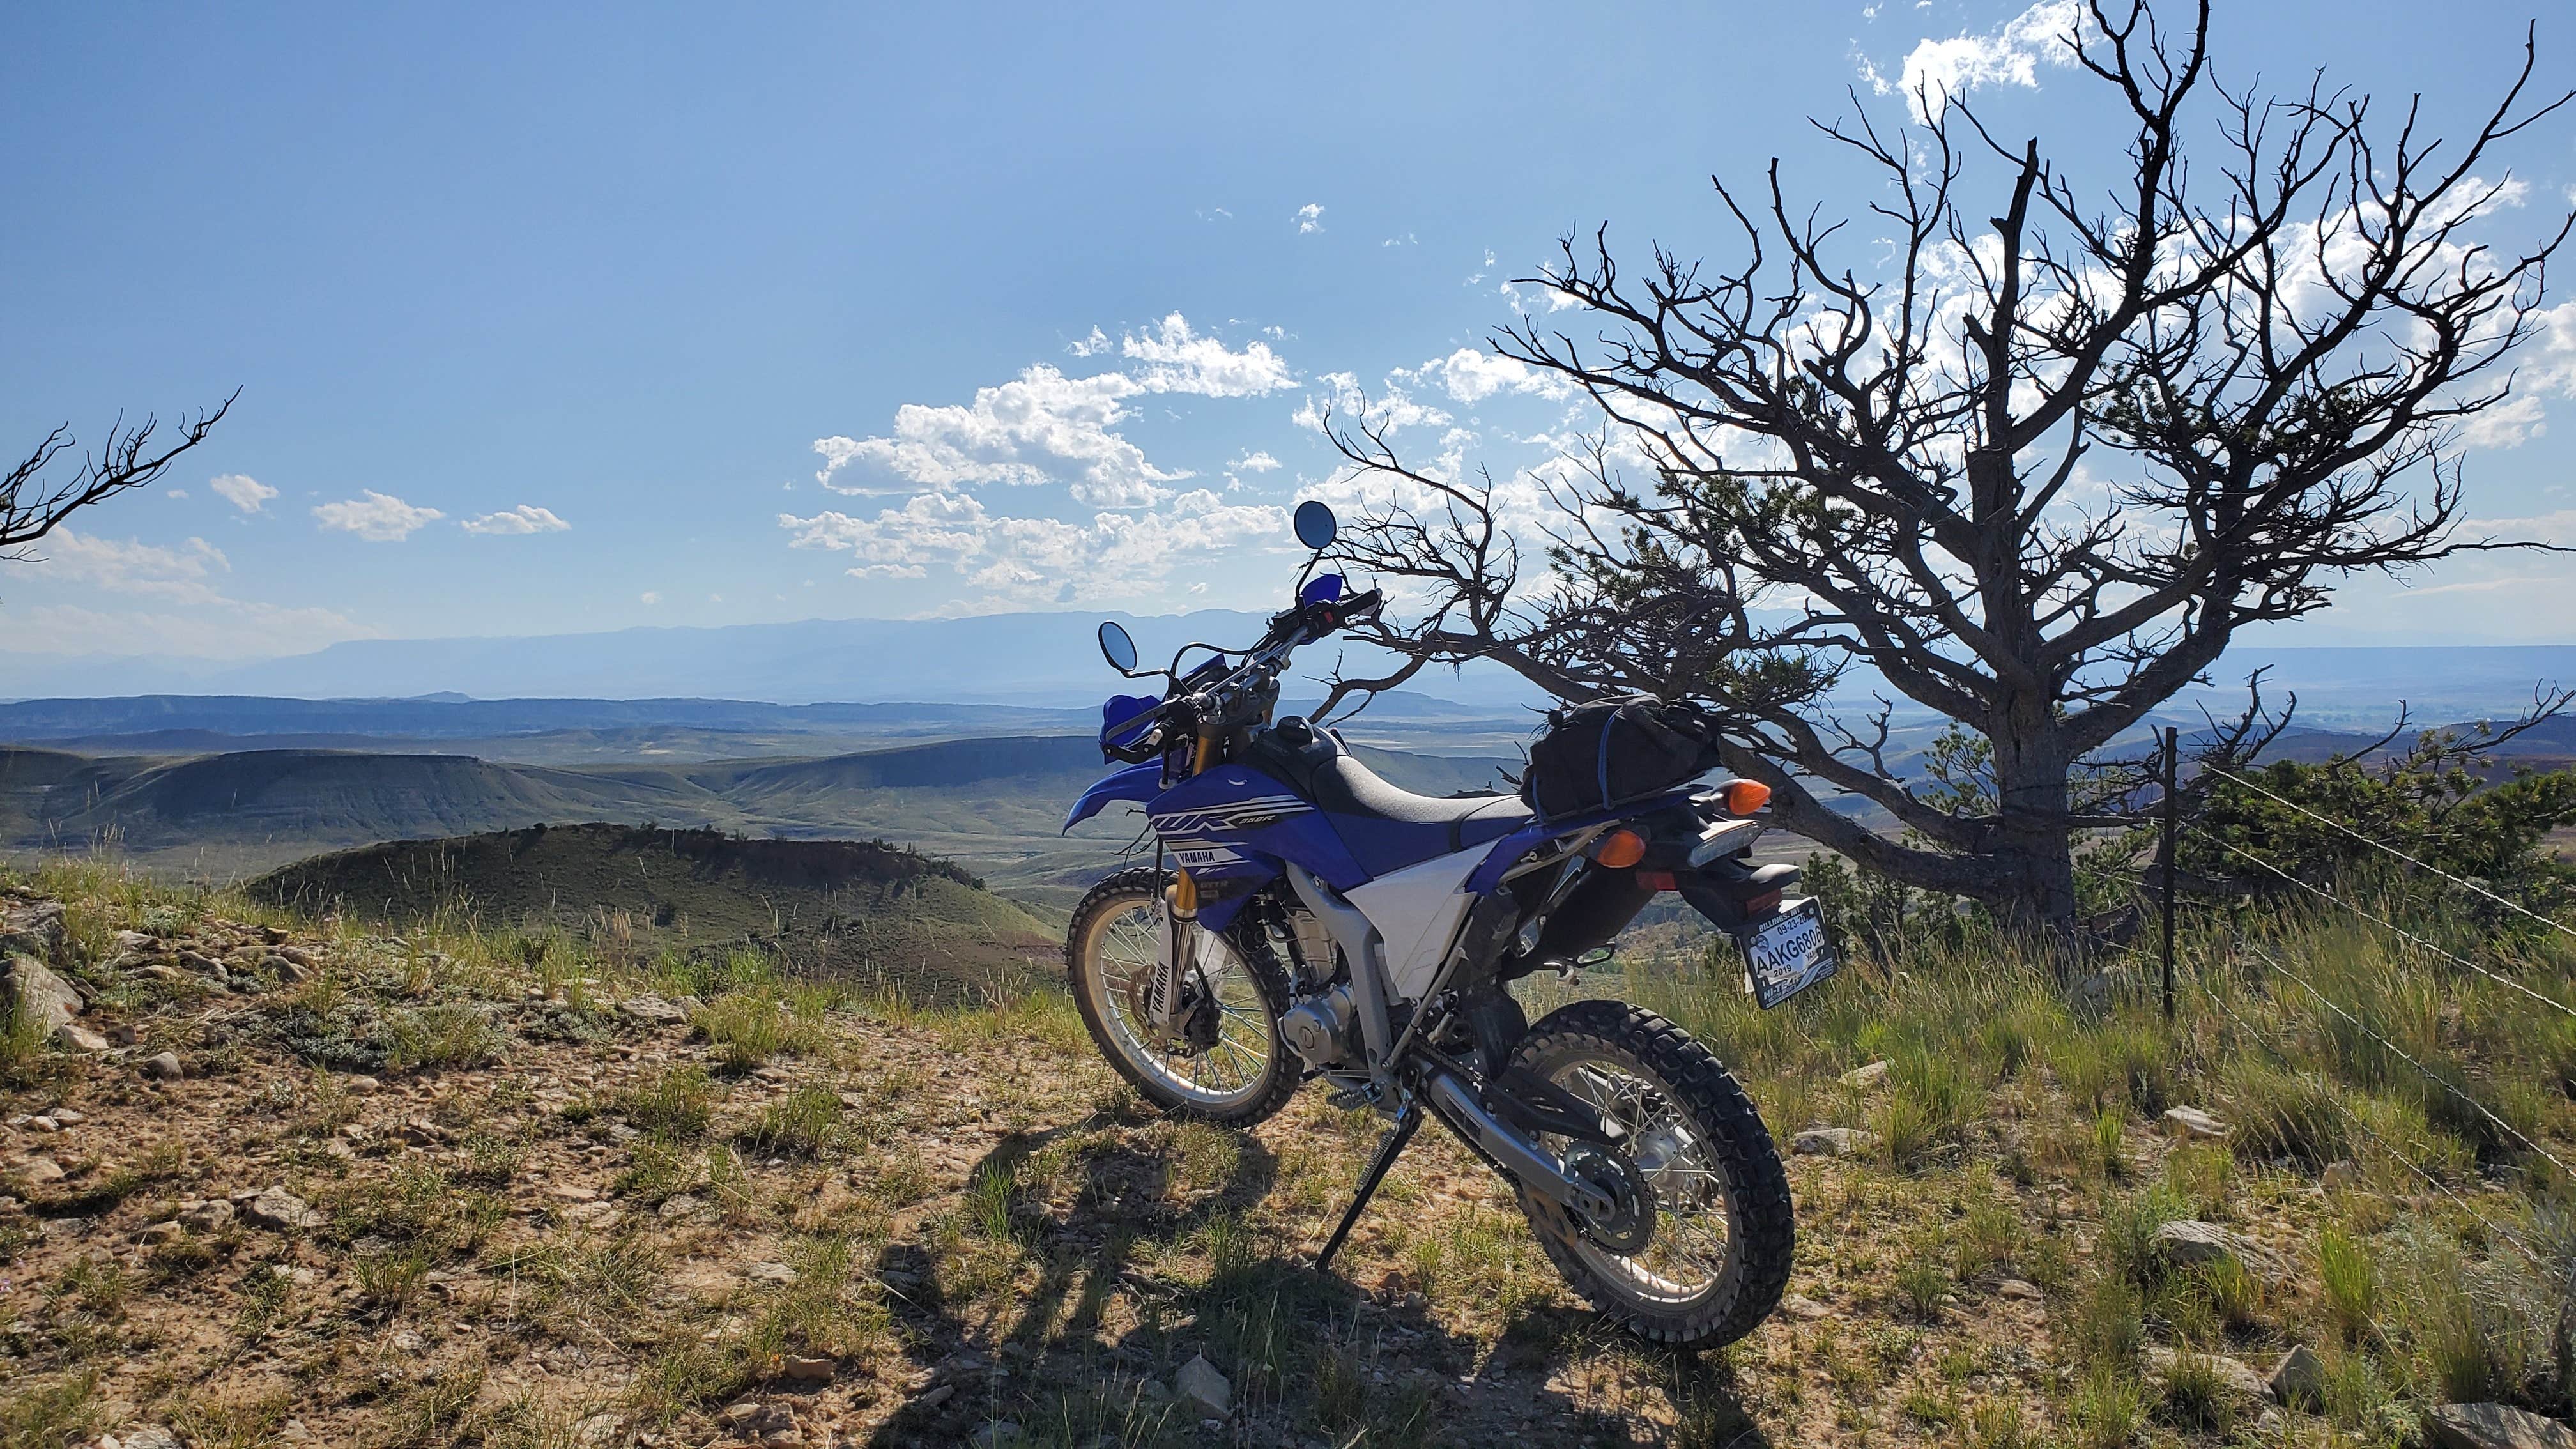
x=994, y=804
x=326, y=1184
x=839, y=909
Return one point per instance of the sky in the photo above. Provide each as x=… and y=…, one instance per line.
x=554, y=319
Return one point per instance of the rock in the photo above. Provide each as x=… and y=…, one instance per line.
x=2186, y=1241
x=1199, y=1381
x=2196, y=1124
x=2494, y=1426
x=164, y=1067
x=207, y=1217
x=123, y=1034
x=771, y=1273
x=151, y=1436
x=66, y=1117
x=41, y=1169
x=676, y=1207
x=29, y=988
x=1866, y=1077
x=936, y=1397
x=157, y=1234
x=1799, y=1305
x=2027, y=1292
x=774, y=1074
x=571, y=1192
x=598, y=1429
x=2231, y=1373
x=361, y=1086
x=35, y=930
x=281, y=1211
x=652, y=1010
x=421, y=1132
x=2342, y=1173
x=127, y=942
x=285, y=968
x=71, y=1036
x=2299, y=1379
x=808, y=1370
x=1833, y=1142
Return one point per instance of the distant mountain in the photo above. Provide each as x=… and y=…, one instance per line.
x=1044, y=659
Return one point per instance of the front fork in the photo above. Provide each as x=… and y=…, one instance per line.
x=1178, y=960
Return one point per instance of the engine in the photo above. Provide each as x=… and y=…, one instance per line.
x=1323, y=1028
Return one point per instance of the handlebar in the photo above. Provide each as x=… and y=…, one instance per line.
x=1289, y=629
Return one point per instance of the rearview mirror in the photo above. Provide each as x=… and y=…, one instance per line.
x=1314, y=521
x=1117, y=648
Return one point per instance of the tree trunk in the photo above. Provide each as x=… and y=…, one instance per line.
x=2033, y=845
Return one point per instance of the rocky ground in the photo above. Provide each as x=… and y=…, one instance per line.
x=271, y=1181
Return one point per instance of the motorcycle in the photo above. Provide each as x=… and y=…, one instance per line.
x=1316, y=922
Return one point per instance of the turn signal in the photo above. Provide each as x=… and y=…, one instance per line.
x=1746, y=796
x=1621, y=849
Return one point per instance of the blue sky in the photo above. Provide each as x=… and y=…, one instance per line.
x=540, y=313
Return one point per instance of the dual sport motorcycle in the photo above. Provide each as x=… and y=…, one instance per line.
x=1315, y=922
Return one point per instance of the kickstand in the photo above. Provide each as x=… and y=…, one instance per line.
x=1388, y=1148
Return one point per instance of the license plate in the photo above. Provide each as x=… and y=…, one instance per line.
x=1788, y=953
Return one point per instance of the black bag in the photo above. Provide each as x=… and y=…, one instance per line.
x=1611, y=751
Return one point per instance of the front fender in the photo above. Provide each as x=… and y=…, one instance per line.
x=1139, y=783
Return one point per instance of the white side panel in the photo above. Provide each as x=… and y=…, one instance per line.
x=1416, y=911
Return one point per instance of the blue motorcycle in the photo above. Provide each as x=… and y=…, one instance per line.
x=1304, y=919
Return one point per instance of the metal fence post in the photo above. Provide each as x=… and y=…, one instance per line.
x=2165, y=858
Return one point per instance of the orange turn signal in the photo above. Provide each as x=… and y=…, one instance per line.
x=1746, y=796
x=1620, y=849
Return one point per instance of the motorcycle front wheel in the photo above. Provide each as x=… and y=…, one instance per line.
x=1723, y=1232
x=1227, y=1062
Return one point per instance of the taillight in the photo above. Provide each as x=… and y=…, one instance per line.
x=1746, y=796
x=1655, y=880
x=1766, y=901
x=1620, y=849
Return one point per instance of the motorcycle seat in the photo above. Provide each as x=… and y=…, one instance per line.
x=1386, y=828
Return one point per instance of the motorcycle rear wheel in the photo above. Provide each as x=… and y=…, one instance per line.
x=1241, y=1070
x=1724, y=1230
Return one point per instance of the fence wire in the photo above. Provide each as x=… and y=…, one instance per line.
x=2380, y=845
x=2391, y=926
x=2363, y=1135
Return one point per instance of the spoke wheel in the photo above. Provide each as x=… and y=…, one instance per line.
x=1717, y=1255
x=1224, y=1060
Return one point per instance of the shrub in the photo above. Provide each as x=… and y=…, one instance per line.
x=801, y=1124
x=675, y=1105
x=2351, y=1282
x=2196, y=1398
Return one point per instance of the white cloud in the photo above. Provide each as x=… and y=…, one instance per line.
x=1470, y=376
x=1042, y=560
x=196, y=617
x=1179, y=360
x=1256, y=462
x=526, y=518
x=1309, y=218
x=1045, y=426
x=136, y=567
x=649, y=597
x=1938, y=72
x=241, y=491
x=377, y=517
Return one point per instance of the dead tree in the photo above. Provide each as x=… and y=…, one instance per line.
x=32, y=505
x=2032, y=474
